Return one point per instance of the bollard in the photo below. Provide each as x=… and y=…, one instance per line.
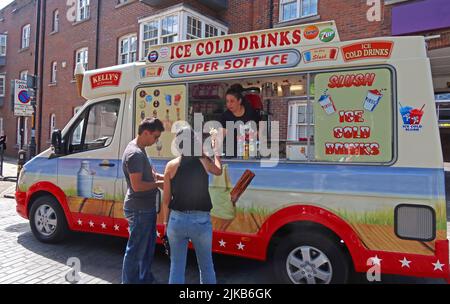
x=21, y=160
x=2, y=151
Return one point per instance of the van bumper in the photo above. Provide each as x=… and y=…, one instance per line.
x=21, y=204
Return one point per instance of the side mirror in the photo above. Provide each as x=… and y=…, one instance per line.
x=57, y=143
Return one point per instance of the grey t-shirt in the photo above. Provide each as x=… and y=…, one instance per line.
x=135, y=160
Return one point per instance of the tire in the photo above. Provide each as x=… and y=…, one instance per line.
x=47, y=220
x=297, y=256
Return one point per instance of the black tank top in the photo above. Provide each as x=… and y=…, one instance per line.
x=190, y=187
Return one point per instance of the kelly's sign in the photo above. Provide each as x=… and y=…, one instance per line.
x=106, y=79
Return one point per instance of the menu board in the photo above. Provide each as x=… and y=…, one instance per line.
x=168, y=104
x=354, y=118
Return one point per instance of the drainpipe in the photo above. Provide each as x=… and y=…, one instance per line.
x=32, y=146
x=271, y=13
x=97, y=34
x=40, y=76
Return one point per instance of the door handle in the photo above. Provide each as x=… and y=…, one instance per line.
x=107, y=165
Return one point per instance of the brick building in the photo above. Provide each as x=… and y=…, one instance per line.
x=104, y=33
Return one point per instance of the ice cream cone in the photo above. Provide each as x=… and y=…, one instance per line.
x=79, y=77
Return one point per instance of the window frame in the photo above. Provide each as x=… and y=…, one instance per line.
x=3, y=87
x=56, y=21
x=79, y=51
x=182, y=14
x=129, y=53
x=26, y=36
x=2, y=130
x=299, y=10
x=83, y=10
x=52, y=124
x=54, y=72
x=84, y=115
x=3, y=37
x=264, y=74
x=22, y=74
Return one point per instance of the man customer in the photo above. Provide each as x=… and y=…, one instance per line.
x=140, y=204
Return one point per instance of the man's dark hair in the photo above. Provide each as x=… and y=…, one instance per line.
x=150, y=124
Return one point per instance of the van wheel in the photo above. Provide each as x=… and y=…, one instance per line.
x=311, y=258
x=47, y=220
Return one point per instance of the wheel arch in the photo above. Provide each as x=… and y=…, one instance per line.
x=47, y=188
x=312, y=218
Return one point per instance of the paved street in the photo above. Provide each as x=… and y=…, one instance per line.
x=25, y=260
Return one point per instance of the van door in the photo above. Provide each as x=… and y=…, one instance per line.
x=89, y=172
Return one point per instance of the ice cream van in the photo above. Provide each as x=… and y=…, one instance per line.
x=358, y=182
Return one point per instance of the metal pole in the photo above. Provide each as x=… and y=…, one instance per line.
x=21, y=132
x=32, y=146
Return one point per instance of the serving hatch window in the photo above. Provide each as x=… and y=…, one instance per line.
x=325, y=117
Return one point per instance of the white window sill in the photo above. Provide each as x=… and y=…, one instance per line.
x=297, y=21
x=124, y=4
x=390, y=2
x=81, y=21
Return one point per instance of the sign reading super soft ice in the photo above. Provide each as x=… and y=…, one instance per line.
x=354, y=116
x=236, y=64
x=22, y=101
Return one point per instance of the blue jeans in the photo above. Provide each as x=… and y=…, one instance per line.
x=196, y=226
x=140, y=247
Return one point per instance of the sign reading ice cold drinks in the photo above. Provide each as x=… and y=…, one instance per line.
x=353, y=114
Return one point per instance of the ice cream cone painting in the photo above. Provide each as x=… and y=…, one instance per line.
x=224, y=198
x=224, y=211
x=79, y=77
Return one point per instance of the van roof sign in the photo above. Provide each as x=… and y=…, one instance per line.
x=273, y=39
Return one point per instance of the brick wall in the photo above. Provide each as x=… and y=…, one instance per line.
x=14, y=17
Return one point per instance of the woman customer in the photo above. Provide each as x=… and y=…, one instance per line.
x=186, y=194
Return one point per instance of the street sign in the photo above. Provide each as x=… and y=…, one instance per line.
x=22, y=100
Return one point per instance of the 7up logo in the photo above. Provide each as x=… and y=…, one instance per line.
x=327, y=35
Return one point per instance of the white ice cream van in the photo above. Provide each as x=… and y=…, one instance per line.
x=359, y=182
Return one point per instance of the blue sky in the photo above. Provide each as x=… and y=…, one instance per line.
x=4, y=3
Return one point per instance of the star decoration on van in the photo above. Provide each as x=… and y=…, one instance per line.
x=438, y=265
x=80, y=222
x=405, y=262
x=103, y=226
x=116, y=227
x=376, y=260
x=240, y=246
x=91, y=224
x=222, y=243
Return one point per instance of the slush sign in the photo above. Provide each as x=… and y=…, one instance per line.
x=236, y=64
